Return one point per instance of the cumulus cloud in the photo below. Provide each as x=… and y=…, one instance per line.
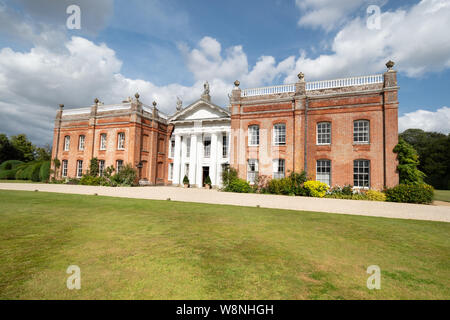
x=438, y=121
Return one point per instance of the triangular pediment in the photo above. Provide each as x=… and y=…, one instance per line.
x=200, y=110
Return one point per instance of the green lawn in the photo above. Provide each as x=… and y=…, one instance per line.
x=142, y=249
x=442, y=195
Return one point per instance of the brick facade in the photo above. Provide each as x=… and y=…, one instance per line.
x=297, y=108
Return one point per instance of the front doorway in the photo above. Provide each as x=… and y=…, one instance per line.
x=205, y=174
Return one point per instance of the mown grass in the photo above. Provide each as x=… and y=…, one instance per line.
x=144, y=249
x=442, y=195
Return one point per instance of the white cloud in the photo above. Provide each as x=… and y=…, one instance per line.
x=438, y=121
x=326, y=14
x=415, y=38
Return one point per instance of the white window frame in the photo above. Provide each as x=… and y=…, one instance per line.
x=253, y=135
x=172, y=148
x=65, y=165
x=81, y=141
x=323, y=133
x=359, y=167
x=103, y=141
x=119, y=167
x=207, y=147
x=66, y=143
x=121, y=141
x=361, y=131
x=323, y=171
x=170, y=173
x=225, y=146
x=79, y=168
x=279, y=136
x=277, y=173
x=252, y=174
x=101, y=167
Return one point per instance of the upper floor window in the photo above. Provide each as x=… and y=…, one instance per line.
x=79, y=168
x=253, y=135
x=66, y=143
x=103, y=141
x=119, y=165
x=121, y=140
x=172, y=148
x=252, y=170
x=64, y=168
x=361, y=130
x=324, y=133
x=224, y=146
x=207, y=147
x=278, y=168
x=361, y=173
x=279, y=134
x=81, y=142
x=188, y=147
x=323, y=171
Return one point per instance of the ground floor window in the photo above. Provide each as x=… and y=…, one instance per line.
x=79, y=168
x=252, y=170
x=361, y=173
x=64, y=168
x=323, y=171
x=119, y=165
x=278, y=168
x=101, y=167
x=186, y=170
x=170, y=171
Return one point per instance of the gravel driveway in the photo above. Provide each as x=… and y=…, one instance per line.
x=354, y=207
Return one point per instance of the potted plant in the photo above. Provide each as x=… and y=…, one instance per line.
x=186, y=181
x=208, y=182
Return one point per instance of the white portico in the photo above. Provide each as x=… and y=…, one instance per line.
x=199, y=143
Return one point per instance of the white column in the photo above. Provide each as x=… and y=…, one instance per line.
x=193, y=160
x=199, y=171
x=219, y=158
x=213, y=163
x=183, y=155
x=177, y=160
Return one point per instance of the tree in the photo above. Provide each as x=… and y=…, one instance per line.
x=24, y=147
x=433, y=149
x=44, y=153
x=408, y=160
x=7, y=150
x=93, y=167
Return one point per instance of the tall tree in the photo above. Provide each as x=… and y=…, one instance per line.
x=7, y=150
x=408, y=160
x=434, y=155
x=24, y=147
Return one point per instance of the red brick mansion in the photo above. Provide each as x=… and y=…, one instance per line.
x=340, y=132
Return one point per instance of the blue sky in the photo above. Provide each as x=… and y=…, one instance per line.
x=167, y=48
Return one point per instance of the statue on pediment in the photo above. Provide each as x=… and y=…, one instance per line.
x=179, y=104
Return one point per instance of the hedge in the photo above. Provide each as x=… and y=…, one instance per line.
x=410, y=193
x=9, y=165
x=8, y=174
x=44, y=172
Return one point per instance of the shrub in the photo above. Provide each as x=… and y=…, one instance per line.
x=346, y=190
x=89, y=180
x=125, y=177
x=316, y=188
x=208, y=180
x=8, y=174
x=261, y=183
x=186, y=180
x=374, y=195
x=44, y=173
x=228, y=175
x=410, y=193
x=10, y=164
x=280, y=186
x=239, y=185
x=93, y=167
x=27, y=172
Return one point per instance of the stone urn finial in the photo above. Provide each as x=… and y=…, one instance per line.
x=61, y=106
x=390, y=64
x=301, y=76
x=237, y=83
x=96, y=101
x=154, y=104
x=136, y=96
